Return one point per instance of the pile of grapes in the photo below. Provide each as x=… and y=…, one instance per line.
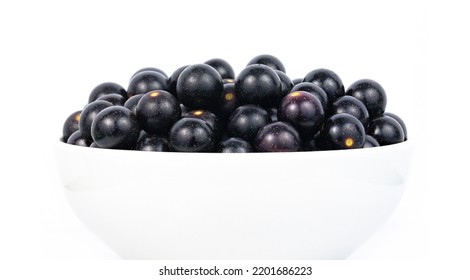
x=206, y=108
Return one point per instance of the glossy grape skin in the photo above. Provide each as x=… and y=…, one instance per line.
x=157, y=111
x=94, y=145
x=342, y=131
x=114, y=98
x=277, y=137
x=314, y=89
x=350, y=105
x=106, y=88
x=173, y=79
x=132, y=102
x=223, y=67
x=268, y=60
x=115, y=127
x=71, y=125
x=386, y=130
x=146, y=81
x=286, y=83
x=371, y=142
x=302, y=110
x=229, y=81
x=191, y=135
x=199, y=86
x=228, y=102
x=89, y=113
x=371, y=94
x=152, y=143
x=329, y=81
x=259, y=85
x=153, y=69
x=400, y=121
x=246, y=121
x=235, y=145
x=210, y=118
x=77, y=139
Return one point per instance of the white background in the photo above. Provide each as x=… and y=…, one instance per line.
x=54, y=52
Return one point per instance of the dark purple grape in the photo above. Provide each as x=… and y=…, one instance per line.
x=210, y=118
x=157, y=111
x=89, y=113
x=286, y=83
x=386, y=130
x=277, y=137
x=314, y=89
x=223, y=67
x=114, y=98
x=106, y=88
x=371, y=94
x=228, y=81
x=152, y=143
x=191, y=135
x=268, y=60
x=371, y=142
x=342, y=131
x=131, y=103
x=94, y=145
x=115, y=127
x=77, y=139
x=329, y=81
x=350, y=105
x=70, y=125
x=302, y=110
x=228, y=101
x=153, y=69
x=400, y=121
x=174, y=79
x=246, y=121
x=146, y=81
x=258, y=84
x=235, y=145
x=200, y=86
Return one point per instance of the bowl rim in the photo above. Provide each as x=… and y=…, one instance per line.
x=402, y=145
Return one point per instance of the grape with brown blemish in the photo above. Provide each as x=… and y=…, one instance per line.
x=342, y=131
x=228, y=101
x=146, y=81
x=157, y=111
x=302, y=110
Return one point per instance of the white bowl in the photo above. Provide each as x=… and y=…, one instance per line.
x=303, y=205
